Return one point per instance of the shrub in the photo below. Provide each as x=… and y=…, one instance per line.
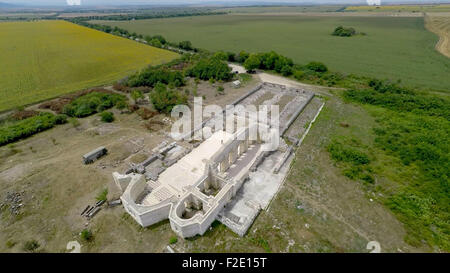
x=317, y=67
x=221, y=55
x=186, y=45
x=121, y=105
x=152, y=75
x=31, y=245
x=173, y=240
x=164, y=100
x=107, y=117
x=344, y=32
x=27, y=127
x=86, y=235
x=61, y=119
x=136, y=95
x=103, y=195
x=92, y=103
x=10, y=244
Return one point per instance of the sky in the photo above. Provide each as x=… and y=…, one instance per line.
x=162, y=2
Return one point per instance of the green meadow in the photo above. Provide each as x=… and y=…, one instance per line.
x=397, y=48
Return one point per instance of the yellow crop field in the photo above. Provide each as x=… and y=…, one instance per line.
x=44, y=59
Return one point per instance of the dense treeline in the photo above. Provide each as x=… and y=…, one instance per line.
x=210, y=68
x=153, y=75
x=268, y=61
x=156, y=40
x=29, y=126
x=153, y=15
x=415, y=127
x=135, y=16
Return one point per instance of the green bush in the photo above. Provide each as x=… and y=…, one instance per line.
x=211, y=68
x=31, y=245
x=107, y=117
x=152, y=75
x=317, y=67
x=28, y=127
x=86, y=235
x=344, y=32
x=121, y=105
x=92, y=103
x=61, y=119
x=186, y=45
x=103, y=195
x=164, y=100
x=173, y=240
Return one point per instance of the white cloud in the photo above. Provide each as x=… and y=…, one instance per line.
x=73, y=2
x=374, y=2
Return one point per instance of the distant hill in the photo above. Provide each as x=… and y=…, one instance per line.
x=6, y=5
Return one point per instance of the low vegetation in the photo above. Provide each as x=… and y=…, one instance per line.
x=344, y=31
x=414, y=128
x=153, y=75
x=173, y=240
x=95, y=102
x=31, y=246
x=107, y=117
x=165, y=99
x=16, y=130
x=212, y=68
x=269, y=61
x=103, y=195
x=86, y=235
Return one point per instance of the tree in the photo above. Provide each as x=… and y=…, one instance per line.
x=221, y=55
x=344, y=32
x=253, y=62
x=243, y=56
x=211, y=68
x=186, y=45
x=107, y=117
x=164, y=100
x=155, y=42
x=317, y=67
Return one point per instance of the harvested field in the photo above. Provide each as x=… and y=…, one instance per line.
x=439, y=23
x=49, y=58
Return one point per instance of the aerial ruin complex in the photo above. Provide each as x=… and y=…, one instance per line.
x=227, y=177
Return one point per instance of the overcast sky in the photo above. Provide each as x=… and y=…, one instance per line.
x=162, y=2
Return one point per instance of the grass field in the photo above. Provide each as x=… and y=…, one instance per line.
x=394, y=47
x=44, y=59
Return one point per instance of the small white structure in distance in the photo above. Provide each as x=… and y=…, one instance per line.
x=237, y=84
